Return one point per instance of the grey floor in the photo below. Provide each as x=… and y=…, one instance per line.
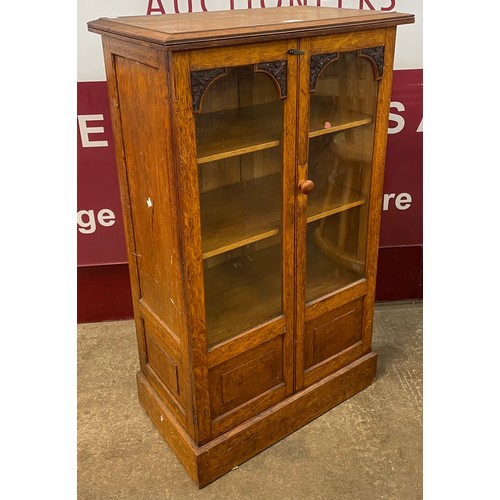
x=369, y=447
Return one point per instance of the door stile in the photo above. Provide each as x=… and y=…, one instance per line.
x=288, y=217
x=300, y=210
x=190, y=227
x=375, y=209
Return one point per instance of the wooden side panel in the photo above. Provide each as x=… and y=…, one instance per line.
x=142, y=108
x=109, y=60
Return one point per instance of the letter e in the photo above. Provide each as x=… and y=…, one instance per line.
x=403, y=201
x=106, y=217
x=85, y=130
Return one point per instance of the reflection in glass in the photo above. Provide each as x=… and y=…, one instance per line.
x=340, y=160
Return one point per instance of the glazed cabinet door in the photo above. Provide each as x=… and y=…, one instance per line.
x=338, y=202
x=236, y=119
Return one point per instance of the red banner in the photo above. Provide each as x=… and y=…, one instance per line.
x=100, y=233
x=402, y=202
x=100, y=224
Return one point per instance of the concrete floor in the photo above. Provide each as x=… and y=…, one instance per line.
x=369, y=447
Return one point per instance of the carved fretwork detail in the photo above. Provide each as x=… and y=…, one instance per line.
x=278, y=70
x=376, y=56
x=200, y=80
x=318, y=62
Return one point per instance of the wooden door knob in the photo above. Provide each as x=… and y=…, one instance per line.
x=306, y=187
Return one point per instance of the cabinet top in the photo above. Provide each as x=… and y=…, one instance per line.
x=221, y=27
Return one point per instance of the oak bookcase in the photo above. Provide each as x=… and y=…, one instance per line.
x=250, y=147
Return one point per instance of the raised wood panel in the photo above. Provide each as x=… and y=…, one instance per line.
x=165, y=367
x=266, y=368
x=241, y=379
x=333, y=332
x=166, y=394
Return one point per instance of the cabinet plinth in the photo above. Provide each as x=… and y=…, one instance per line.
x=250, y=155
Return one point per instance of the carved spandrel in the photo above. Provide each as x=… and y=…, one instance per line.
x=376, y=57
x=317, y=64
x=278, y=71
x=200, y=80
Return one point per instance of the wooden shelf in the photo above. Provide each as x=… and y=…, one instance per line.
x=242, y=293
x=235, y=132
x=240, y=214
x=323, y=112
x=238, y=131
x=246, y=212
x=321, y=204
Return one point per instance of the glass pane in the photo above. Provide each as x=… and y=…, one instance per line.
x=238, y=133
x=341, y=131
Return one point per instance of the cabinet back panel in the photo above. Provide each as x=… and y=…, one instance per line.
x=150, y=177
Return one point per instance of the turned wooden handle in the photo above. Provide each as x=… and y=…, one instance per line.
x=306, y=187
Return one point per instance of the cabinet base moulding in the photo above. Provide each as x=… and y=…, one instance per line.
x=212, y=460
